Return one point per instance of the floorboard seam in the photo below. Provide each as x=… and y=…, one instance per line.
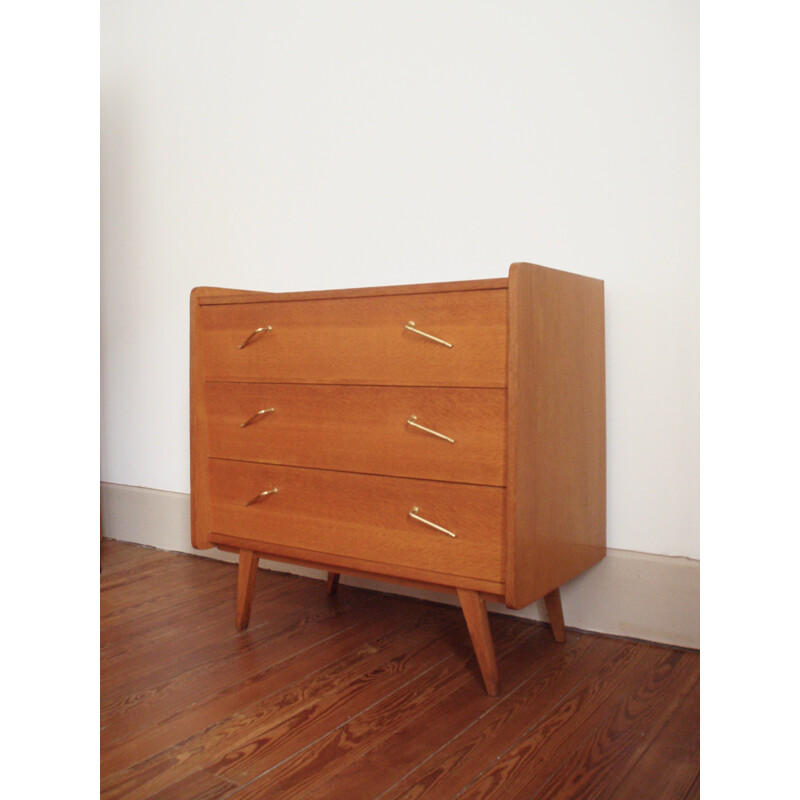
x=345, y=722
x=239, y=710
x=460, y=733
x=536, y=722
x=611, y=712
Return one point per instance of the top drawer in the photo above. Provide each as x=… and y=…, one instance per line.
x=360, y=340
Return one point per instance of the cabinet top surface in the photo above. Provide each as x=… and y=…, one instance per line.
x=207, y=295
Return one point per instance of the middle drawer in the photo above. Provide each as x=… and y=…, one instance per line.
x=367, y=429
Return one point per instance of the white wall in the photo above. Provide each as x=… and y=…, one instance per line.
x=305, y=145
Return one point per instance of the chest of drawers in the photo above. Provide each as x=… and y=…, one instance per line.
x=450, y=436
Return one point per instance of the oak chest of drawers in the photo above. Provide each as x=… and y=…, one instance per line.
x=449, y=435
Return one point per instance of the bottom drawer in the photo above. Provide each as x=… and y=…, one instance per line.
x=362, y=516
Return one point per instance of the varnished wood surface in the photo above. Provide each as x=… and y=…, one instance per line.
x=360, y=340
x=477, y=619
x=333, y=583
x=374, y=570
x=246, y=581
x=198, y=427
x=362, y=516
x=521, y=390
x=211, y=296
x=362, y=429
x=555, y=614
x=370, y=696
x=556, y=516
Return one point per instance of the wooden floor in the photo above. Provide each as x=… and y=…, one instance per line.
x=367, y=695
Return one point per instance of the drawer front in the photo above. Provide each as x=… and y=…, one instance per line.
x=362, y=517
x=362, y=429
x=361, y=340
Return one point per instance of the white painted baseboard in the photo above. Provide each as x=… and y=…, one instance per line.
x=642, y=596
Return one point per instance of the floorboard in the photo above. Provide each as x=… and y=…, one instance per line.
x=369, y=696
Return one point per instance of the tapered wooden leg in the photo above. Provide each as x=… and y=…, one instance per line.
x=474, y=608
x=553, y=603
x=248, y=564
x=333, y=583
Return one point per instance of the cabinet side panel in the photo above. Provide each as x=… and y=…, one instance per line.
x=198, y=429
x=557, y=430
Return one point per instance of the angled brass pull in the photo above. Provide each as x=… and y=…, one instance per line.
x=414, y=515
x=253, y=334
x=412, y=420
x=262, y=494
x=409, y=326
x=256, y=416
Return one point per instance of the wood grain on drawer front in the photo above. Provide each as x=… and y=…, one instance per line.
x=361, y=340
x=362, y=429
x=362, y=517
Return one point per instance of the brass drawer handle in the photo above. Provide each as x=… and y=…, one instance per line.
x=255, y=333
x=262, y=494
x=256, y=416
x=412, y=420
x=413, y=514
x=411, y=327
